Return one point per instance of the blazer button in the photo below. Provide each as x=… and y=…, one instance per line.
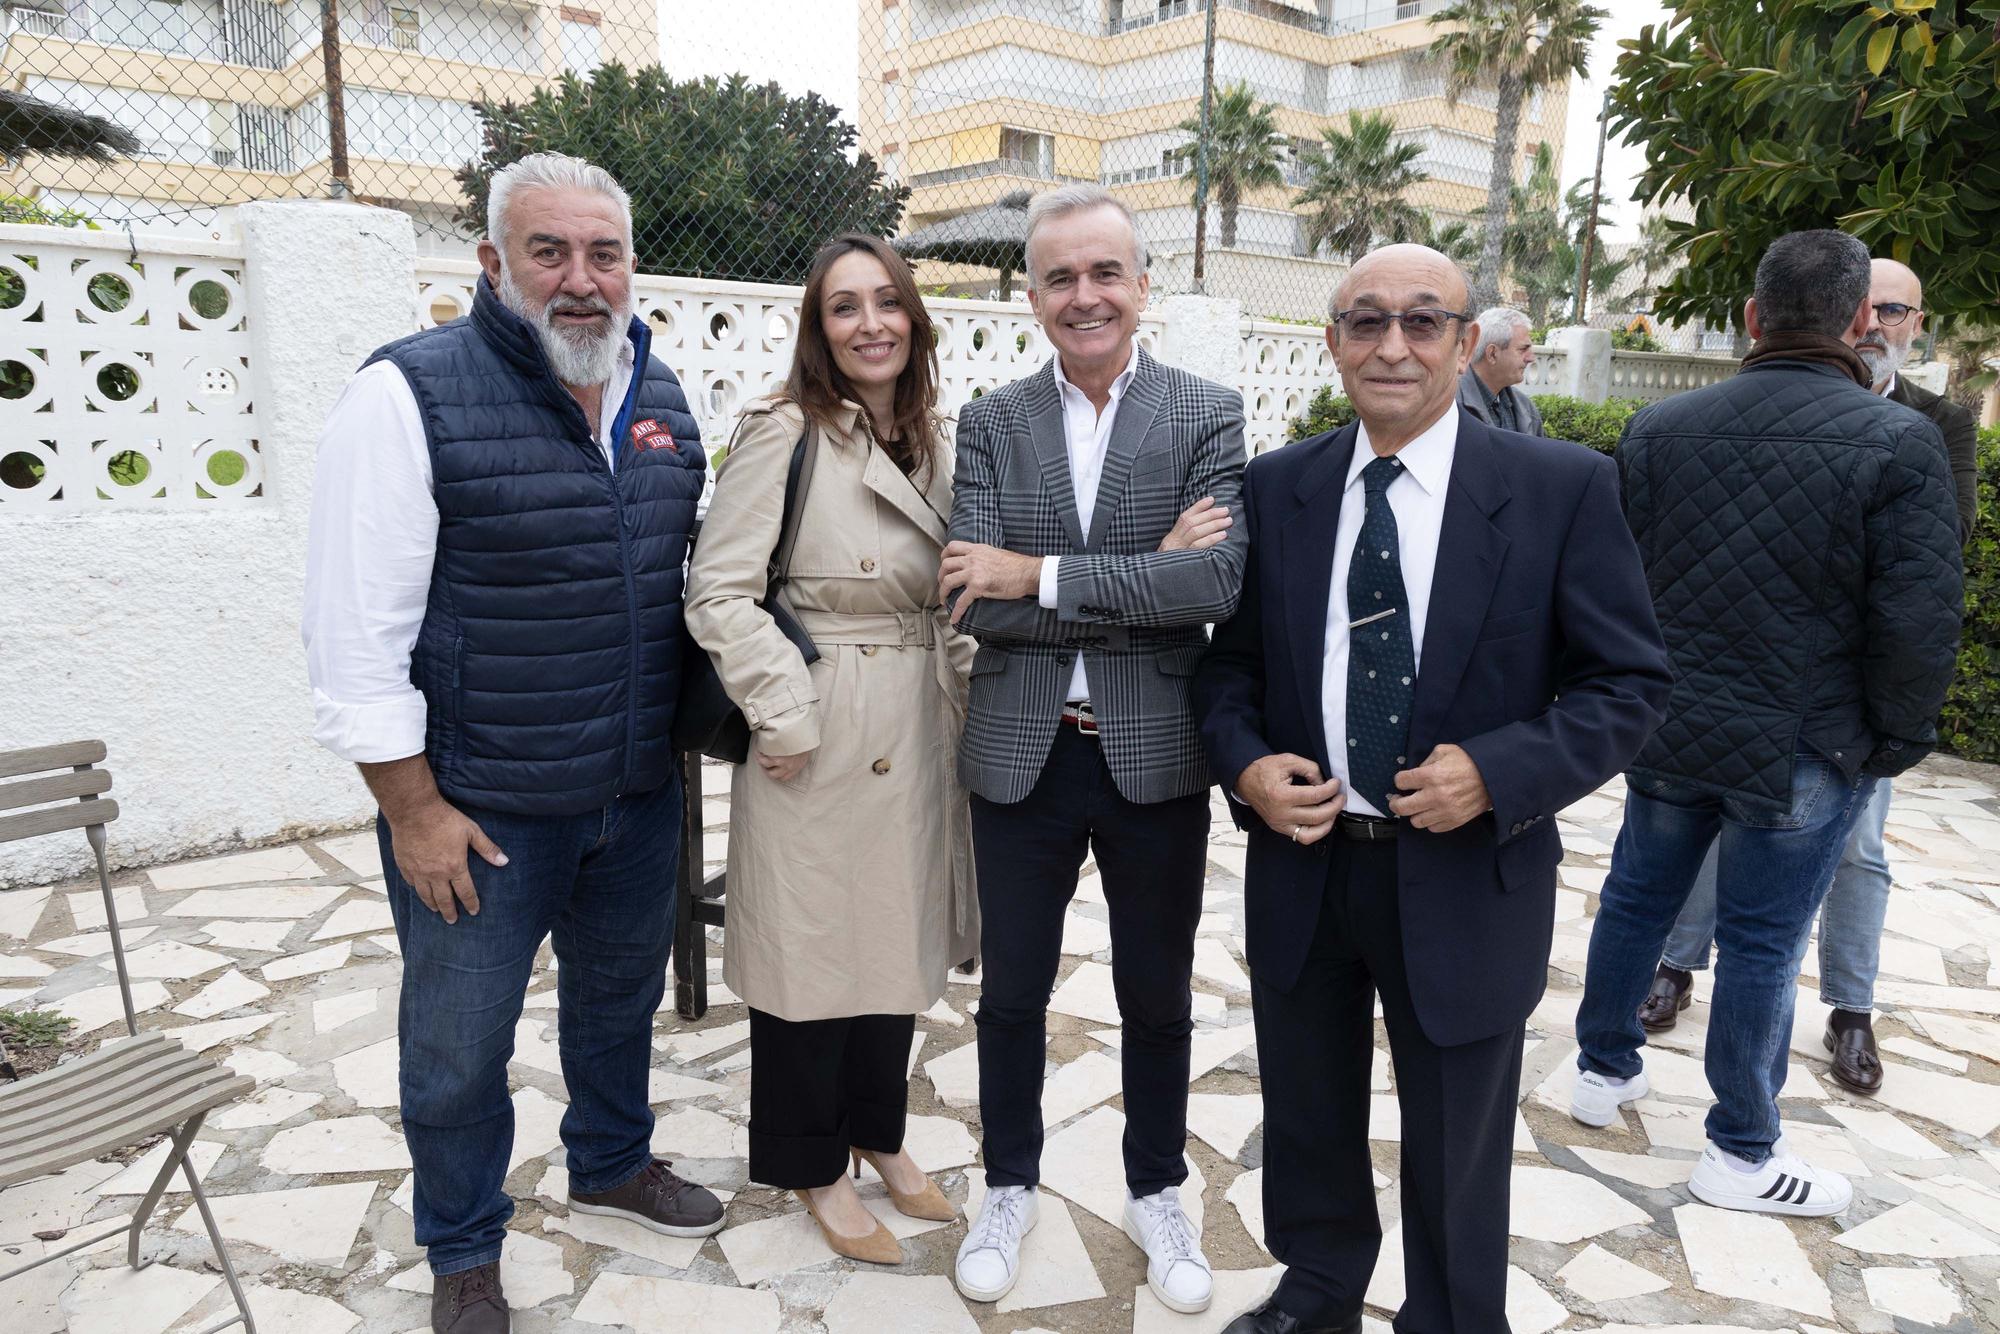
x=881, y=766
x=868, y=650
x=868, y=565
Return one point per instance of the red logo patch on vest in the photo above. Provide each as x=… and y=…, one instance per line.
x=649, y=434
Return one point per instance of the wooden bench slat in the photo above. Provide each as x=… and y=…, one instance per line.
x=31, y=1160
x=39, y=759
x=66, y=1098
x=31, y=824
x=110, y=1119
x=41, y=791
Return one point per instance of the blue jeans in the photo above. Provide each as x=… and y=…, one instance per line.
x=601, y=884
x=1773, y=872
x=1850, y=921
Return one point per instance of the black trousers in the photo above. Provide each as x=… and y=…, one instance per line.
x=1152, y=860
x=819, y=1087
x=1314, y=1046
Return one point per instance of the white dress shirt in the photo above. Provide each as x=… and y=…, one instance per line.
x=1087, y=432
x=369, y=554
x=1416, y=497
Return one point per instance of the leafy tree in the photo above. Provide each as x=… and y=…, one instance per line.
x=728, y=179
x=1356, y=183
x=1517, y=46
x=1244, y=151
x=1875, y=116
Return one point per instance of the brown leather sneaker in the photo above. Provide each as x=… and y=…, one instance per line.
x=656, y=1199
x=1673, y=991
x=469, y=1302
x=1856, y=1062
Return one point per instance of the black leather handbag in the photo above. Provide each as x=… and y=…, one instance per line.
x=706, y=720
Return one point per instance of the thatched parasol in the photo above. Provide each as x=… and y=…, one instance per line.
x=30, y=125
x=995, y=236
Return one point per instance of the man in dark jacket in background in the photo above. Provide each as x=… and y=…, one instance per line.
x=1801, y=541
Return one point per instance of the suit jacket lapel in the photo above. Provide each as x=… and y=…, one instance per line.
x=1144, y=396
x=1470, y=551
x=1045, y=426
x=1306, y=542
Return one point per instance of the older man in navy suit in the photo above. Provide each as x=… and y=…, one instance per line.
x=1445, y=637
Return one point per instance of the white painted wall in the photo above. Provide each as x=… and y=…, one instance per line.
x=172, y=633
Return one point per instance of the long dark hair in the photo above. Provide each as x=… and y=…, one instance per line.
x=818, y=387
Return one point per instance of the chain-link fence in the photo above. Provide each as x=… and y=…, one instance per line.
x=1262, y=144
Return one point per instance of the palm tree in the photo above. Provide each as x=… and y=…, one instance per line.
x=1604, y=270
x=1244, y=151
x=1356, y=182
x=1456, y=240
x=1532, y=242
x=1652, y=255
x=1520, y=45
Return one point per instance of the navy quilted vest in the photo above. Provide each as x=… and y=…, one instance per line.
x=550, y=654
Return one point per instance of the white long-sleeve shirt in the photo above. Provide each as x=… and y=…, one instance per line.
x=1416, y=498
x=1087, y=432
x=369, y=553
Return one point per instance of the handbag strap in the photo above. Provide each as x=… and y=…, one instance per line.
x=798, y=481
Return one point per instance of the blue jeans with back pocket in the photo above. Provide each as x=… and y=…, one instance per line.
x=1772, y=872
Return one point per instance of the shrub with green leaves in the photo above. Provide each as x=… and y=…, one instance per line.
x=1325, y=411
x=1597, y=425
x=1971, y=724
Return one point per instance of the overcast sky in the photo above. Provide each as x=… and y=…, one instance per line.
x=810, y=44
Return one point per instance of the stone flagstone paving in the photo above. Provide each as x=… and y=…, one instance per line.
x=282, y=962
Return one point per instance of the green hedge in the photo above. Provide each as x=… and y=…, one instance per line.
x=1970, y=724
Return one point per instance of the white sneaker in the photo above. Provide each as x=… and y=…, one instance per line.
x=1176, y=1270
x=1597, y=1099
x=1783, y=1185
x=989, y=1259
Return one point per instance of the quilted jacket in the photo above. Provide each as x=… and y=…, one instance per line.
x=1801, y=541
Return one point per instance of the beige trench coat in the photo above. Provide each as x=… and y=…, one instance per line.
x=850, y=889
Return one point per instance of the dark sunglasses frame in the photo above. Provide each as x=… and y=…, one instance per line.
x=1444, y=317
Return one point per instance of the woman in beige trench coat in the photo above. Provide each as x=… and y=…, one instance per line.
x=850, y=868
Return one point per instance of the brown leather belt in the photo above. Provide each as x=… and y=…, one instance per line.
x=1080, y=716
x=1366, y=828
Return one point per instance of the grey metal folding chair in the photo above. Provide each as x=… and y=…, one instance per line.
x=130, y=1088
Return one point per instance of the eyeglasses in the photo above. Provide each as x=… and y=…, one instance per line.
x=1891, y=313
x=1423, y=325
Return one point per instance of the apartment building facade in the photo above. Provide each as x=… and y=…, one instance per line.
x=228, y=97
x=967, y=100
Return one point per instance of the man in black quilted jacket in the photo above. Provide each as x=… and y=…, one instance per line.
x=1801, y=541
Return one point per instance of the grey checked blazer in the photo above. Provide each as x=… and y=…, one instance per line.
x=1137, y=614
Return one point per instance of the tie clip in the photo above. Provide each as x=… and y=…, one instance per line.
x=1370, y=620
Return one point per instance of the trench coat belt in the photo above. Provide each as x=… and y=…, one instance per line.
x=889, y=629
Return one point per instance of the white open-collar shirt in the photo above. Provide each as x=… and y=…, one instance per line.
x=1416, y=498
x=1087, y=432
x=369, y=552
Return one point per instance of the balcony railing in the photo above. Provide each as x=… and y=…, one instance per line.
x=1375, y=16
x=46, y=23
x=972, y=171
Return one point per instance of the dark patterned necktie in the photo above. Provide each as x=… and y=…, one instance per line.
x=1381, y=659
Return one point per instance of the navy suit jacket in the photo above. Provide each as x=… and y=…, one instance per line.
x=1541, y=658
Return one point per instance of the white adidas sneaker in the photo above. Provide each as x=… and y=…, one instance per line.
x=1176, y=1270
x=1785, y=1184
x=1597, y=1099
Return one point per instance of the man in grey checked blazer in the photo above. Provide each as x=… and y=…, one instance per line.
x=1093, y=542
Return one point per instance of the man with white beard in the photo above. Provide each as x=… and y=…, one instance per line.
x=1850, y=921
x=500, y=517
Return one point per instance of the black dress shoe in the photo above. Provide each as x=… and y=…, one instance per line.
x=1268, y=1319
x=1673, y=991
x=1856, y=1063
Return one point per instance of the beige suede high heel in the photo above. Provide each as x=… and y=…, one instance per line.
x=879, y=1247
x=928, y=1203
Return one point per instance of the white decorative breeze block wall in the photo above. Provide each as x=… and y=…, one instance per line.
x=1282, y=366
x=730, y=342
x=116, y=353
